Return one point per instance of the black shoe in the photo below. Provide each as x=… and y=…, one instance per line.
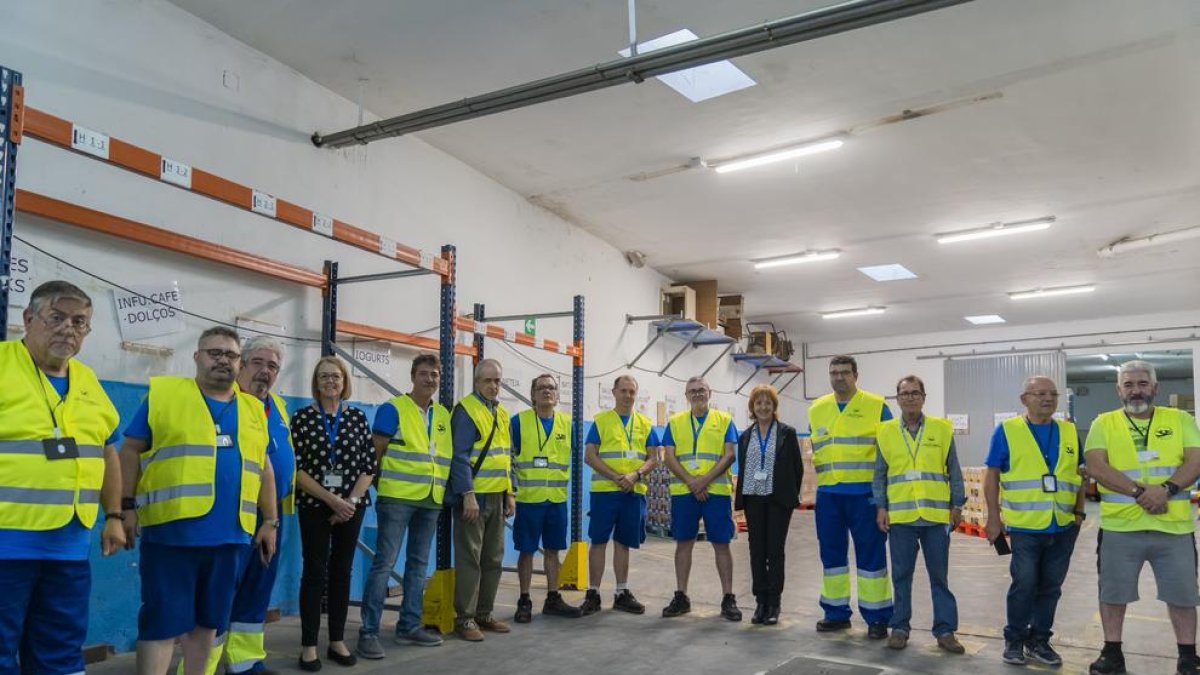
x=1014, y=653
x=310, y=666
x=771, y=617
x=829, y=625
x=627, y=603
x=729, y=608
x=556, y=606
x=760, y=610
x=591, y=603
x=1187, y=665
x=680, y=605
x=1109, y=663
x=877, y=631
x=1040, y=650
x=341, y=659
x=524, y=610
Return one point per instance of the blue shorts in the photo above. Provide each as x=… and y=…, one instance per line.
x=545, y=522
x=717, y=512
x=617, y=515
x=187, y=586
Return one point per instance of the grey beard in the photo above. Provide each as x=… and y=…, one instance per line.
x=1137, y=407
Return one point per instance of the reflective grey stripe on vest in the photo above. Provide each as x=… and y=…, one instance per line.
x=176, y=492
x=239, y=627
x=552, y=466
x=719, y=480
x=89, y=496
x=174, y=451
x=408, y=456
x=35, y=448
x=710, y=456
x=843, y=440
x=604, y=454
x=903, y=478
x=1112, y=498
x=34, y=496
x=1031, y=484
x=249, y=507
x=494, y=452
x=919, y=504
x=491, y=473
x=543, y=484
x=1167, y=471
x=1028, y=506
x=845, y=466
x=252, y=467
x=412, y=478
x=817, y=445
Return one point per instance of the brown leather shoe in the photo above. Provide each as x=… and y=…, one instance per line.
x=492, y=624
x=951, y=644
x=897, y=640
x=468, y=630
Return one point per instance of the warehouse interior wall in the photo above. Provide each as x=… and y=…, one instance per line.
x=160, y=78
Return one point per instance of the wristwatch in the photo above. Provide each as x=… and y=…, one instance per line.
x=273, y=523
x=128, y=504
x=1137, y=491
x=1172, y=489
x=640, y=476
x=355, y=500
x=1081, y=514
x=114, y=516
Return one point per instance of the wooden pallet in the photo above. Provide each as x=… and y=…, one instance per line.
x=972, y=530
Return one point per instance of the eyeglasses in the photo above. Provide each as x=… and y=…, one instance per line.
x=79, y=324
x=545, y=387
x=330, y=377
x=268, y=365
x=1042, y=394
x=216, y=354
x=911, y=394
x=696, y=392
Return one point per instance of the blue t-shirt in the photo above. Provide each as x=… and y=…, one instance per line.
x=731, y=434
x=280, y=452
x=593, y=435
x=863, y=488
x=221, y=525
x=69, y=542
x=1047, y=439
x=515, y=429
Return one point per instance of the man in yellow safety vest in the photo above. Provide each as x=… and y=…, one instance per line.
x=480, y=477
x=1146, y=458
x=919, y=496
x=542, y=456
x=843, y=426
x=194, y=463
x=1032, y=487
x=698, y=447
x=58, y=468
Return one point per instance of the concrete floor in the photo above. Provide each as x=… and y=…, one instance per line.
x=702, y=642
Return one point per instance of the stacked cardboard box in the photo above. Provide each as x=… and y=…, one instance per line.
x=975, y=510
x=808, y=485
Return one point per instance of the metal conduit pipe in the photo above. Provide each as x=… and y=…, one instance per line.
x=818, y=23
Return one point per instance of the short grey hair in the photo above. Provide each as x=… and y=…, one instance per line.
x=1138, y=366
x=485, y=363
x=696, y=378
x=261, y=342
x=49, y=292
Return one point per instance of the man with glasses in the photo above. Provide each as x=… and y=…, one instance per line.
x=196, y=480
x=58, y=467
x=844, y=425
x=1145, y=458
x=919, y=496
x=699, y=450
x=542, y=459
x=622, y=449
x=1032, y=488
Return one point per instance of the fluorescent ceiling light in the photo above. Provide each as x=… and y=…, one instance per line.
x=777, y=155
x=1160, y=239
x=1048, y=292
x=984, y=319
x=807, y=256
x=893, y=272
x=702, y=82
x=996, y=230
x=847, y=313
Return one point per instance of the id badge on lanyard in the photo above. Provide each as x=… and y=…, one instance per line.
x=541, y=463
x=761, y=474
x=1049, y=483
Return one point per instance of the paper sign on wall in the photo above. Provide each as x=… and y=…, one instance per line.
x=20, y=273
x=374, y=355
x=961, y=423
x=149, y=311
x=1001, y=416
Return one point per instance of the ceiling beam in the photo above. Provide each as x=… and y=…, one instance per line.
x=818, y=23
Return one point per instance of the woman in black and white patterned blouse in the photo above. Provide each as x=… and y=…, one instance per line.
x=335, y=464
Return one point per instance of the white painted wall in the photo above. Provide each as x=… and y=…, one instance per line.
x=147, y=72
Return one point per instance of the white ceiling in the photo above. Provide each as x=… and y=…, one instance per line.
x=1098, y=123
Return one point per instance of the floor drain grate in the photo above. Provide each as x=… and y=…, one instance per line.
x=803, y=665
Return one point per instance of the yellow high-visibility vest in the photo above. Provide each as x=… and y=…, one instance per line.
x=493, y=474
x=416, y=466
x=843, y=441
x=622, y=447
x=1164, y=443
x=544, y=464
x=918, y=486
x=708, y=447
x=289, y=502
x=179, y=470
x=37, y=493
x=1023, y=501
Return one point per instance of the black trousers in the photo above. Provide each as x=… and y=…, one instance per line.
x=768, y=524
x=328, y=556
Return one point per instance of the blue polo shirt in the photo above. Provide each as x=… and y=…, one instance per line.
x=69, y=542
x=279, y=451
x=221, y=525
x=593, y=435
x=1047, y=439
